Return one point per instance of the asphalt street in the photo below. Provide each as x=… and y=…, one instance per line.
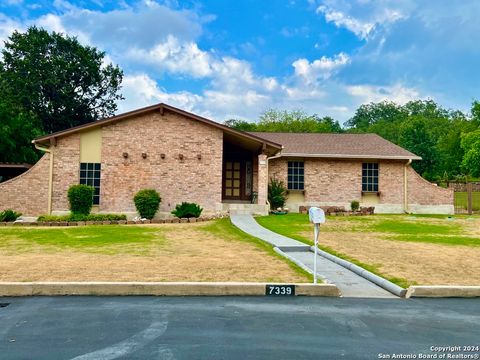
x=233, y=327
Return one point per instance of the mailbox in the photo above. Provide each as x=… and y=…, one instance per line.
x=316, y=215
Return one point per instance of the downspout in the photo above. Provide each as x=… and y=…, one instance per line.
x=50, y=175
x=267, y=160
x=405, y=186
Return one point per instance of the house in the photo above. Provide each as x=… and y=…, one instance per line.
x=190, y=158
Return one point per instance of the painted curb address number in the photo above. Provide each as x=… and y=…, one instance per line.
x=280, y=290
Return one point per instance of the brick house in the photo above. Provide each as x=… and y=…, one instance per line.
x=190, y=158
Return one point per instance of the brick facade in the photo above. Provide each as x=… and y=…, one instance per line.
x=189, y=179
x=338, y=182
x=28, y=192
x=183, y=162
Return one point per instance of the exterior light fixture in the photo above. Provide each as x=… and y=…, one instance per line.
x=125, y=155
x=144, y=155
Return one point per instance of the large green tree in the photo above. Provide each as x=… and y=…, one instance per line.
x=470, y=143
x=288, y=121
x=56, y=79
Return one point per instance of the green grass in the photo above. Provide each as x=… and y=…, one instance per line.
x=461, y=200
x=418, y=228
x=98, y=239
x=223, y=226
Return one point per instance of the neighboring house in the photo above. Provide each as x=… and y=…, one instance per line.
x=189, y=158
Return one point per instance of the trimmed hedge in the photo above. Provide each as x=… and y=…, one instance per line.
x=147, y=202
x=355, y=205
x=81, y=199
x=81, y=217
x=187, y=210
x=9, y=215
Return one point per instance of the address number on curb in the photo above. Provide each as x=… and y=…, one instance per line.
x=280, y=290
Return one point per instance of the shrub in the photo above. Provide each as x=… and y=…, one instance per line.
x=82, y=217
x=147, y=202
x=277, y=193
x=355, y=205
x=187, y=210
x=81, y=199
x=9, y=215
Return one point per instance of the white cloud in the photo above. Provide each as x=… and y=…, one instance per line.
x=363, y=17
x=322, y=68
x=396, y=93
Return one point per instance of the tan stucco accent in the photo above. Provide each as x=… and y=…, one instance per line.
x=370, y=199
x=91, y=146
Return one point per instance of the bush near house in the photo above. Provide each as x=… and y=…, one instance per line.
x=355, y=205
x=187, y=210
x=277, y=194
x=147, y=202
x=81, y=199
x=9, y=215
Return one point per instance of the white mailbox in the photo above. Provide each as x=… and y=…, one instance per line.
x=316, y=215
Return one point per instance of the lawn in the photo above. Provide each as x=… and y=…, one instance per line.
x=405, y=249
x=210, y=251
x=461, y=200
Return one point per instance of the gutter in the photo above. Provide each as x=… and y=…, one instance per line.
x=405, y=186
x=50, y=175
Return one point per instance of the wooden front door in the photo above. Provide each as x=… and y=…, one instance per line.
x=233, y=180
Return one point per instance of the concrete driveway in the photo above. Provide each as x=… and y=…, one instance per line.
x=232, y=328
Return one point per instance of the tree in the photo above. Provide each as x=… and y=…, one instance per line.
x=288, y=121
x=59, y=81
x=17, y=129
x=415, y=137
x=471, y=145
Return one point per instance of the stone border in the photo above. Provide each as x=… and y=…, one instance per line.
x=111, y=222
x=156, y=289
x=443, y=291
x=377, y=280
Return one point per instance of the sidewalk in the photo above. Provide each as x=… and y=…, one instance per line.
x=349, y=283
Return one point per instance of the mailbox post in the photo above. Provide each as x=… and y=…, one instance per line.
x=317, y=217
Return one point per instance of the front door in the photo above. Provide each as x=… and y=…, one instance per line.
x=233, y=180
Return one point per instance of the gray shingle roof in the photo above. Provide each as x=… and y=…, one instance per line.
x=337, y=145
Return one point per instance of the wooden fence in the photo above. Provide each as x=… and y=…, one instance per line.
x=467, y=197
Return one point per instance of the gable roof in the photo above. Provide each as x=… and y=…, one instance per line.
x=350, y=146
x=160, y=108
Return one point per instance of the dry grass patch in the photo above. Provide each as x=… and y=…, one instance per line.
x=426, y=250
x=171, y=252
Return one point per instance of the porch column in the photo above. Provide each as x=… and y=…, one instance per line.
x=262, y=177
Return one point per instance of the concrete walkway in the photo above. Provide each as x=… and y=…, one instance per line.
x=349, y=283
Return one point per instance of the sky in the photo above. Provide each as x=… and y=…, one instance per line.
x=236, y=59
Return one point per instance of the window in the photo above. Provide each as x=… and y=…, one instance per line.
x=295, y=175
x=90, y=175
x=370, y=177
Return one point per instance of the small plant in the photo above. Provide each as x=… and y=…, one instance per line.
x=9, y=215
x=277, y=194
x=187, y=210
x=355, y=205
x=147, y=202
x=81, y=199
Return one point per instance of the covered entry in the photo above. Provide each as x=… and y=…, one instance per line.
x=243, y=157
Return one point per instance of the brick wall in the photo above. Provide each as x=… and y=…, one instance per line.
x=66, y=170
x=422, y=192
x=27, y=193
x=190, y=179
x=340, y=182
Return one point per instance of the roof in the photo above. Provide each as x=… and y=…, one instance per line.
x=11, y=165
x=160, y=108
x=364, y=146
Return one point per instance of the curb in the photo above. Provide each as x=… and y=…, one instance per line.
x=440, y=291
x=157, y=289
x=383, y=283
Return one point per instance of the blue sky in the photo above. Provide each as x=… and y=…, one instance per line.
x=235, y=59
